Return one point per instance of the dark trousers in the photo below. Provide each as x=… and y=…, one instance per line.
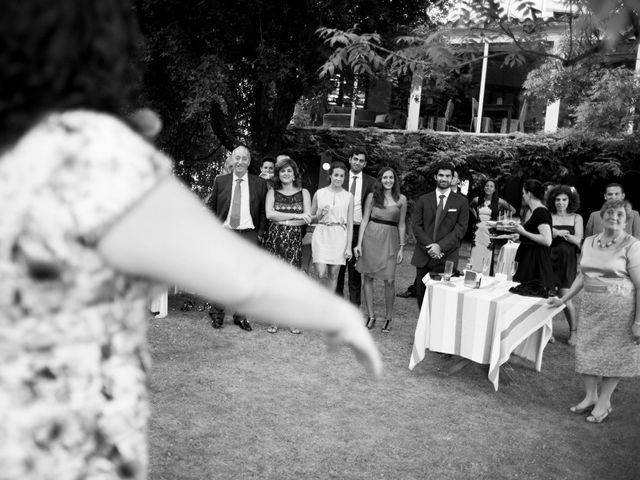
x=419, y=285
x=219, y=310
x=355, y=281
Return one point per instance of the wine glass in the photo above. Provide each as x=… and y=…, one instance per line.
x=486, y=264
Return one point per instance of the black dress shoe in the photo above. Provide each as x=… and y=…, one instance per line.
x=407, y=294
x=243, y=324
x=216, y=321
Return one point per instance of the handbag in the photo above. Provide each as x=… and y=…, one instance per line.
x=308, y=236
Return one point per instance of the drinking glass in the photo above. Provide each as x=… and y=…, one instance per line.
x=486, y=265
x=514, y=268
x=448, y=270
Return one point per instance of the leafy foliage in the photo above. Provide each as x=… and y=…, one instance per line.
x=520, y=26
x=235, y=70
x=567, y=154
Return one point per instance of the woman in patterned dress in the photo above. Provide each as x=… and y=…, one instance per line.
x=608, y=340
x=288, y=208
x=381, y=241
x=332, y=209
x=83, y=236
x=567, y=230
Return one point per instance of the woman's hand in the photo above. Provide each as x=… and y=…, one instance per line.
x=400, y=255
x=347, y=253
x=635, y=331
x=357, y=251
x=323, y=212
x=555, y=302
x=561, y=233
x=355, y=335
x=305, y=217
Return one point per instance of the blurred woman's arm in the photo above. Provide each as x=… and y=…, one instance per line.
x=199, y=254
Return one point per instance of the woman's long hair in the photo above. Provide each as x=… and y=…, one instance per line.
x=59, y=55
x=286, y=162
x=494, y=205
x=378, y=189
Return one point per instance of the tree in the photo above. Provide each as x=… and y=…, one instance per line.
x=608, y=23
x=243, y=64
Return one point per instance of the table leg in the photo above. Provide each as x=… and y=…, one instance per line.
x=459, y=365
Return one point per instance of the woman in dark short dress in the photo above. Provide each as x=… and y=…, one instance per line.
x=567, y=231
x=288, y=208
x=608, y=337
x=533, y=256
x=381, y=241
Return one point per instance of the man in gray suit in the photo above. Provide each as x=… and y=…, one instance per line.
x=439, y=221
x=238, y=200
x=614, y=191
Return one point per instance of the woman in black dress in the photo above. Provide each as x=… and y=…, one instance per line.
x=533, y=256
x=567, y=231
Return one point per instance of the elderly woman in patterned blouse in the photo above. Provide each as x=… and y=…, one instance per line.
x=80, y=238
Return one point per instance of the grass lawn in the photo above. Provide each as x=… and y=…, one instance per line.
x=230, y=404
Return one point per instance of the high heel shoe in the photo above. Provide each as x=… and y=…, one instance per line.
x=600, y=418
x=371, y=322
x=385, y=328
x=580, y=411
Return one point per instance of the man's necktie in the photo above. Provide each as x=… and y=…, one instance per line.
x=439, y=210
x=352, y=190
x=234, y=219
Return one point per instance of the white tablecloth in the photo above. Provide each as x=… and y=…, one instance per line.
x=485, y=325
x=506, y=257
x=160, y=304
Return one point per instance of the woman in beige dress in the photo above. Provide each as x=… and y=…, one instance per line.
x=381, y=241
x=608, y=337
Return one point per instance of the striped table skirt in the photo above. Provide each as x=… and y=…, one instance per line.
x=485, y=325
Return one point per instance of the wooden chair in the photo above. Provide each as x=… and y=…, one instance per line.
x=517, y=124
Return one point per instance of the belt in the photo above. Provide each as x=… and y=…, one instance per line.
x=621, y=289
x=333, y=224
x=384, y=222
x=241, y=230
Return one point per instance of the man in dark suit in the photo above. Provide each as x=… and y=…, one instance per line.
x=440, y=221
x=411, y=289
x=238, y=200
x=360, y=185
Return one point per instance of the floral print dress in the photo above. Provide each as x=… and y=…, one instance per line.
x=73, y=354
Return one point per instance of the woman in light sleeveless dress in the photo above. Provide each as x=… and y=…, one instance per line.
x=381, y=241
x=484, y=208
x=332, y=208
